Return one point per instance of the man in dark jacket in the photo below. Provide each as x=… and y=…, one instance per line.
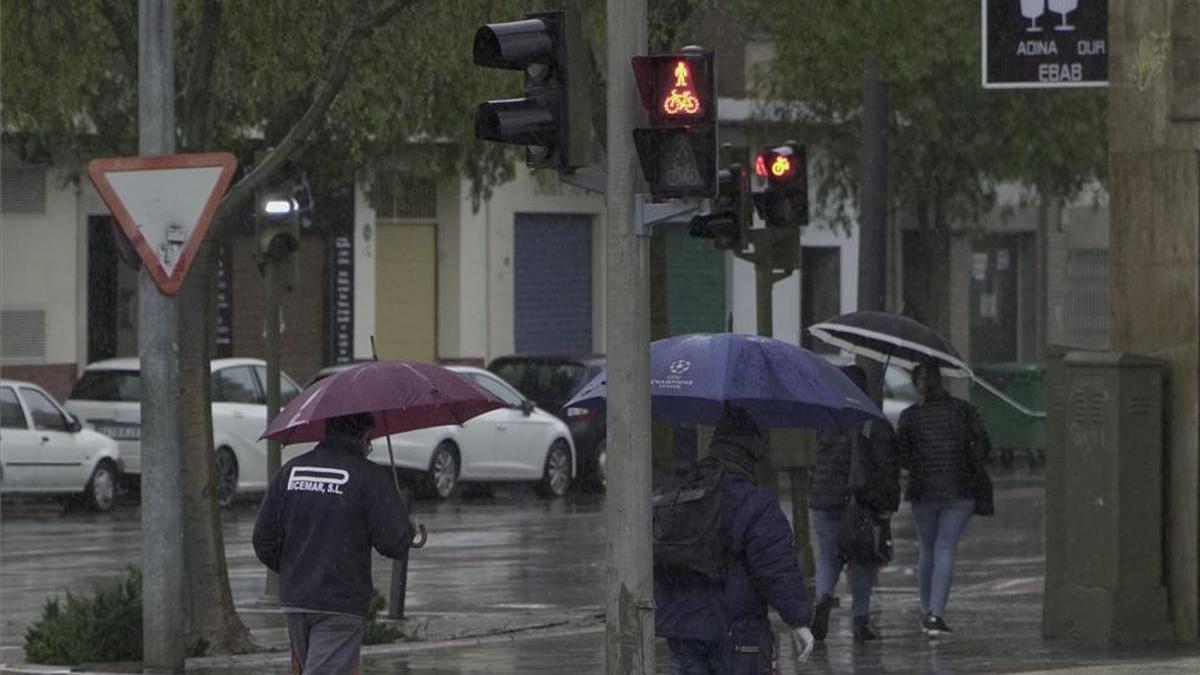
x=322, y=514
x=876, y=486
x=723, y=627
x=942, y=443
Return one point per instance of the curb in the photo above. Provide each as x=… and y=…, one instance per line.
x=565, y=628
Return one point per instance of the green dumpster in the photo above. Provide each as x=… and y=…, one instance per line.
x=1012, y=429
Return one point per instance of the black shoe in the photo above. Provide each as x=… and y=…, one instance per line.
x=934, y=626
x=862, y=630
x=820, y=624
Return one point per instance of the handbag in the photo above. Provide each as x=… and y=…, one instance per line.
x=864, y=535
x=981, y=482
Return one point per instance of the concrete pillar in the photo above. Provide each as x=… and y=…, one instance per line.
x=1154, y=137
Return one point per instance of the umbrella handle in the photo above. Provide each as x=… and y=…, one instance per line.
x=421, y=537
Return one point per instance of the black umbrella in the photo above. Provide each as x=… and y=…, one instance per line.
x=896, y=339
x=891, y=338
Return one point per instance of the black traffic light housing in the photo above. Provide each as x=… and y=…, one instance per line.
x=678, y=152
x=553, y=118
x=784, y=169
x=726, y=224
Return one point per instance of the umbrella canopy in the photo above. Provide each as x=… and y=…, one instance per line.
x=401, y=395
x=891, y=338
x=692, y=377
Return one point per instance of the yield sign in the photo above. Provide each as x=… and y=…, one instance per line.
x=163, y=205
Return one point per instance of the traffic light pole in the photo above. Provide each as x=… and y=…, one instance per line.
x=765, y=278
x=629, y=632
x=273, y=273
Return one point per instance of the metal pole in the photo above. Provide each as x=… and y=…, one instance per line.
x=872, y=238
x=399, y=582
x=158, y=349
x=273, y=278
x=798, y=475
x=629, y=634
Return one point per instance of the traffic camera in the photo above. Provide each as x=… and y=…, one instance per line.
x=784, y=201
x=678, y=152
x=553, y=118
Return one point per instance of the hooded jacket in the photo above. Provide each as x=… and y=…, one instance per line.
x=765, y=570
x=323, y=513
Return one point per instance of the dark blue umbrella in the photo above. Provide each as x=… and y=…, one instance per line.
x=692, y=377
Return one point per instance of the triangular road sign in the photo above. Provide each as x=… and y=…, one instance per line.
x=163, y=205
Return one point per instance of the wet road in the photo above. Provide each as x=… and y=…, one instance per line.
x=518, y=555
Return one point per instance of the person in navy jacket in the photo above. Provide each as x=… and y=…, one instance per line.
x=323, y=513
x=723, y=627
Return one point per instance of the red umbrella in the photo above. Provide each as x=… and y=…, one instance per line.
x=401, y=395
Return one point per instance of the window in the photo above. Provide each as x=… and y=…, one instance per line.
x=11, y=415
x=46, y=415
x=505, y=392
x=288, y=389
x=236, y=385
x=23, y=190
x=108, y=385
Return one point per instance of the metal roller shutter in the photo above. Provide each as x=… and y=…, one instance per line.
x=553, y=283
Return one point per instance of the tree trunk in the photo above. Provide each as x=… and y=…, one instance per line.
x=211, y=617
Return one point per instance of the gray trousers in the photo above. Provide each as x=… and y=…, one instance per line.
x=325, y=644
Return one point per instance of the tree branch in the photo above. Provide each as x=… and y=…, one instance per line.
x=199, y=77
x=125, y=31
x=340, y=62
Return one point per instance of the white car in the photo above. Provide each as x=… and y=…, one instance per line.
x=518, y=443
x=108, y=398
x=44, y=449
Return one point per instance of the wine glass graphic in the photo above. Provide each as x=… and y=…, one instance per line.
x=1063, y=7
x=1032, y=9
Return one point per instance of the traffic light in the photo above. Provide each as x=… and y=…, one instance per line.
x=278, y=226
x=784, y=202
x=726, y=224
x=553, y=118
x=678, y=152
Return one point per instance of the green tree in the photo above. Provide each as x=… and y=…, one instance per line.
x=951, y=141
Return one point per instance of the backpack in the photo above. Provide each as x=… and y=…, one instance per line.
x=690, y=543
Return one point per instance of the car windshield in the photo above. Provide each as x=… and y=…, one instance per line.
x=553, y=383
x=108, y=385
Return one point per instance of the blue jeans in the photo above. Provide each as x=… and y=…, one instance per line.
x=940, y=525
x=829, y=566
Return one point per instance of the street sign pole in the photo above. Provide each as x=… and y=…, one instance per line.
x=629, y=634
x=158, y=348
x=274, y=291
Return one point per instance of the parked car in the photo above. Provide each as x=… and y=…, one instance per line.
x=45, y=449
x=519, y=443
x=108, y=398
x=551, y=381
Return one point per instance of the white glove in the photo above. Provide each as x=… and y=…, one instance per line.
x=802, y=640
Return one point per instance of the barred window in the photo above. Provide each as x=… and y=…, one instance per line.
x=23, y=190
x=404, y=196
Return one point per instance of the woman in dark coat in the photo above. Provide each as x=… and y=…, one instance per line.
x=942, y=443
x=877, y=486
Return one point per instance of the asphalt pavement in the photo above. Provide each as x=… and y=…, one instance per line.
x=515, y=584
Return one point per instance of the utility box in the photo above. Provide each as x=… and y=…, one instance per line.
x=1104, y=500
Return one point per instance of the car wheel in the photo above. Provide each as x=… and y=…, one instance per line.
x=101, y=490
x=442, y=478
x=227, y=476
x=556, y=476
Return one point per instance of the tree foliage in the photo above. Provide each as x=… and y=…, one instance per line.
x=950, y=140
